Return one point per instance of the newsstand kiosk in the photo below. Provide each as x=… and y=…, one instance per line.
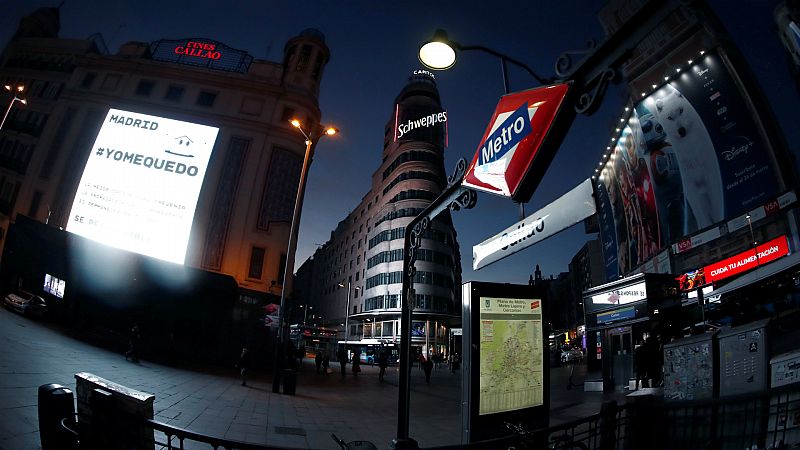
x=619, y=317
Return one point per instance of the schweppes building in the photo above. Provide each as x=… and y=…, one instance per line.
x=365, y=252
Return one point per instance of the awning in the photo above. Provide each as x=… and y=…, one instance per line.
x=759, y=274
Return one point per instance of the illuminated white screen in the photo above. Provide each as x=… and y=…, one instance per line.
x=140, y=185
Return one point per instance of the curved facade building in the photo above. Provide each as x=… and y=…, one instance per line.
x=366, y=250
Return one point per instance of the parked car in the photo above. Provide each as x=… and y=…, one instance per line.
x=571, y=355
x=26, y=303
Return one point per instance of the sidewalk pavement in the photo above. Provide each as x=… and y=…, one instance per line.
x=212, y=401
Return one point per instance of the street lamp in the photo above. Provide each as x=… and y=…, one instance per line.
x=16, y=90
x=283, y=331
x=753, y=240
x=440, y=53
x=305, y=312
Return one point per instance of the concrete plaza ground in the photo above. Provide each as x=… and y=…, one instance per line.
x=212, y=401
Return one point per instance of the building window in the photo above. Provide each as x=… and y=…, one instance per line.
x=315, y=73
x=88, y=79
x=111, y=82
x=35, y=202
x=145, y=87
x=302, y=60
x=174, y=93
x=222, y=207
x=256, y=263
x=280, y=189
x=206, y=98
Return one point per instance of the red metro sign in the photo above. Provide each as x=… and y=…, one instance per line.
x=512, y=141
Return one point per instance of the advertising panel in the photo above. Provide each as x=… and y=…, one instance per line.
x=735, y=265
x=511, y=355
x=53, y=285
x=201, y=52
x=564, y=212
x=622, y=296
x=689, y=157
x=139, y=189
x=506, y=376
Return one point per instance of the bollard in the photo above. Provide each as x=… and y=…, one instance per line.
x=55, y=403
x=289, y=381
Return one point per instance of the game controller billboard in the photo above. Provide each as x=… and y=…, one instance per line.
x=689, y=157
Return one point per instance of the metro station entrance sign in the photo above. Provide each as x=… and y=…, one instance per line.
x=511, y=153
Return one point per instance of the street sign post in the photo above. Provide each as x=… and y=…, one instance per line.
x=564, y=212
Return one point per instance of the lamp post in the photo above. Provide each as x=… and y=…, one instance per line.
x=305, y=312
x=753, y=240
x=440, y=53
x=16, y=90
x=283, y=335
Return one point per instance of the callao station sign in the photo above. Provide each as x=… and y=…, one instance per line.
x=511, y=156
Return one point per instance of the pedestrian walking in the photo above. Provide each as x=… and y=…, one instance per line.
x=326, y=363
x=383, y=362
x=427, y=366
x=243, y=364
x=341, y=355
x=456, y=362
x=356, y=363
x=318, y=360
x=134, y=344
x=653, y=360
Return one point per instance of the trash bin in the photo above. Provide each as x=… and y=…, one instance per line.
x=55, y=403
x=289, y=381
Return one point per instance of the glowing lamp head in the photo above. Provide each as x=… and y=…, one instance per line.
x=330, y=131
x=24, y=102
x=295, y=123
x=438, y=53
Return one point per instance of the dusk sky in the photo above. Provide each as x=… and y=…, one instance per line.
x=373, y=51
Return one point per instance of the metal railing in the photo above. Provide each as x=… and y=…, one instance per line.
x=764, y=420
x=176, y=437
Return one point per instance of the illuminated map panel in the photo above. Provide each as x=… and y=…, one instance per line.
x=140, y=185
x=511, y=354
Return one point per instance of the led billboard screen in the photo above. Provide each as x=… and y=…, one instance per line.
x=689, y=157
x=140, y=185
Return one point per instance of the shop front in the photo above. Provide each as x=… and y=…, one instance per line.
x=620, y=316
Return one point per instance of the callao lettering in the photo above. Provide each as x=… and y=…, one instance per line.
x=522, y=232
x=199, y=49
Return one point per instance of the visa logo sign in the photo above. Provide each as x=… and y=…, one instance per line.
x=514, y=128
